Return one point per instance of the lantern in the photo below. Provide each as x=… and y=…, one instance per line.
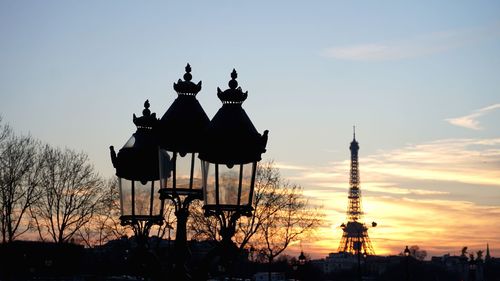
x=138, y=172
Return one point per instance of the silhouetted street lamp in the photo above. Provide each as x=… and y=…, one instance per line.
x=137, y=169
x=180, y=133
x=298, y=266
x=233, y=148
x=365, y=257
x=138, y=173
x=161, y=157
x=302, y=258
x=407, y=260
x=295, y=267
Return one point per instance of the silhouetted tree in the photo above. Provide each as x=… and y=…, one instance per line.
x=281, y=215
x=479, y=255
x=165, y=230
x=291, y=220
x=272, y=195
x=267, y=181
x=201, y=227
x=20, y=169
x=104, y=225
x=418, y=253
x=267, y=185
x=464, y=252
x=72, y=194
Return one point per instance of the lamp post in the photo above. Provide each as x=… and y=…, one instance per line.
x=233, y=148
x=302, y=258
x=137, y=169
x=472, y=268
x=302, y=262
x=180, y=138
x=407, y=260
x=365, y=267
x=295, y=267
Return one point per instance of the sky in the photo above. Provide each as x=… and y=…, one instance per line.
x=419, y=79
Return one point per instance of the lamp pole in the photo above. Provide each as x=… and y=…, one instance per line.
x=302, y=262
x=407, y=261
x=472, y=268
x=138, y=175
x=233, y=148
x=162, y=157
x=365, y=266
x=180, y=138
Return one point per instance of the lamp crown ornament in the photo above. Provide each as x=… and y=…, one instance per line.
x=233, y=95
x=147, y=120
x=187, y=87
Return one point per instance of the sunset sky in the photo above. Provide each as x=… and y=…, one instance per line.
x=420, y=80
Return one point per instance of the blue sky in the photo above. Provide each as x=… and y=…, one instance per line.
x=419, y=79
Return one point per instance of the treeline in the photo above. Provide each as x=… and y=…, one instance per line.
x=53, y=194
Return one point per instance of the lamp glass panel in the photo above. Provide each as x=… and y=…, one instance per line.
x=125, y=196
x=228, y=184
x=142, y=198
x=185, y=167
x=147, y=200
x=130, y=142
x=246, y=182
x=165, y=169
x=209, y=183
x=157, y=203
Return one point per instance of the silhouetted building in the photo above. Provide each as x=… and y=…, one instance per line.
x=467, y=269
x=355, y=237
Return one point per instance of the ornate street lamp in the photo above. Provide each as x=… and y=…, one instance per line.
x=302, y=258
x=233, y=147
x=406, y=253
x=180, y=136
x=137, y=169
x=301, y=263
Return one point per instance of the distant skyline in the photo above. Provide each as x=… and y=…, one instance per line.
x=418, y=79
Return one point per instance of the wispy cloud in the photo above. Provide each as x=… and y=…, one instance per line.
x=284, y=166
x=469, y=161
x=465, y=161
x=471, y=121
x=412, y=47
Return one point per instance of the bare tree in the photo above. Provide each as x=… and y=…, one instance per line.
x=266, y=183
x=281, y=215
x=267, y=186
x=104, y=225
x=5, y=130
x=72, y=194
x=292, y=221
x=464, y=252
x=418, y=253
x=201, y=227
x=19, y=182
x=479, y=255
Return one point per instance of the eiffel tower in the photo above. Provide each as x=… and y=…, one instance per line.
x=355, y=237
